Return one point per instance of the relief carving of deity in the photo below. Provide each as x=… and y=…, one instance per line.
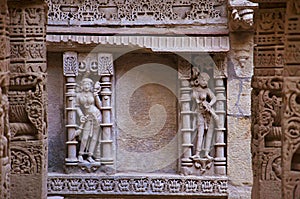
x=88, y=106
x=205, y=99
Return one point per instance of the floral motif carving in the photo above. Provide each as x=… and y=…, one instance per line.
x=135, y=185
x=21, y=163
x=28, y=159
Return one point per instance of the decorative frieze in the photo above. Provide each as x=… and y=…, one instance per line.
x=128, y=12
x=137, y=185
x=156, y=43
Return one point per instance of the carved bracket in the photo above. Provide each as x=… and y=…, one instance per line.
x=241, y=14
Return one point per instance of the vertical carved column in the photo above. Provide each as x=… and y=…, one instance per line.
x=70, y=64
x=240, y=71
x=291, y=109
x=267, y=101
x=184, y=73
x=28, y=99
x=105, y=62
x=4, y=123
x=220, y=159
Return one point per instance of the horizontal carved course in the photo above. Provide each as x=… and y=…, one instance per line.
x=116, y=12
x=154, y=185
x=267, y=82
x=156, y=43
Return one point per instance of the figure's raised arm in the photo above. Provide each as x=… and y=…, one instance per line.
x=212, y=97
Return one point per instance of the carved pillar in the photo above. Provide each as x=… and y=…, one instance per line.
x=220, y=145
x=184, y=73
x=105, y=62
x=267, y=101
x=70, y=64
x=240, y=71
x=28, y=99
x=4, y=123
x=220, y=159
x=291, y=104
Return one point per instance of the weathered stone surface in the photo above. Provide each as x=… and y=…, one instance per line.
x=146, y=105
x=239, y=97
x=56, y=138
x=239, y=161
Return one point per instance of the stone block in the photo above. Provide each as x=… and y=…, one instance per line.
x=239, y=97
x=239, y=160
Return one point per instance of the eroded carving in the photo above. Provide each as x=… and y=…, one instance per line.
x=242, y=19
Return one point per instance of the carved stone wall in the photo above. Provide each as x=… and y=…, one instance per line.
x=267, y=84
x=4, y=105
x=291, y=111
x=28, y=99
x=267, y=100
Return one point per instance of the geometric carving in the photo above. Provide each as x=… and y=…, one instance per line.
x=269, y=37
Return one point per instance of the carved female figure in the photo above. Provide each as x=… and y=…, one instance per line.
x=88, y=106
x=204, y=99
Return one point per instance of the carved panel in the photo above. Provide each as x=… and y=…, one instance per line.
x=29, y=159
x=269, y=38
x=27, y=107
x=28, y=98
x=267, y=101
x=88, y=122
x=116, y=12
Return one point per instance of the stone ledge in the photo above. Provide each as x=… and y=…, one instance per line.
x=156, y=43
x=148, y=184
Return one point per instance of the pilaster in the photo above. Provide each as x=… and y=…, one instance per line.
x=28, y=99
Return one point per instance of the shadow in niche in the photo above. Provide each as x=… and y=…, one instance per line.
x=295, y=166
